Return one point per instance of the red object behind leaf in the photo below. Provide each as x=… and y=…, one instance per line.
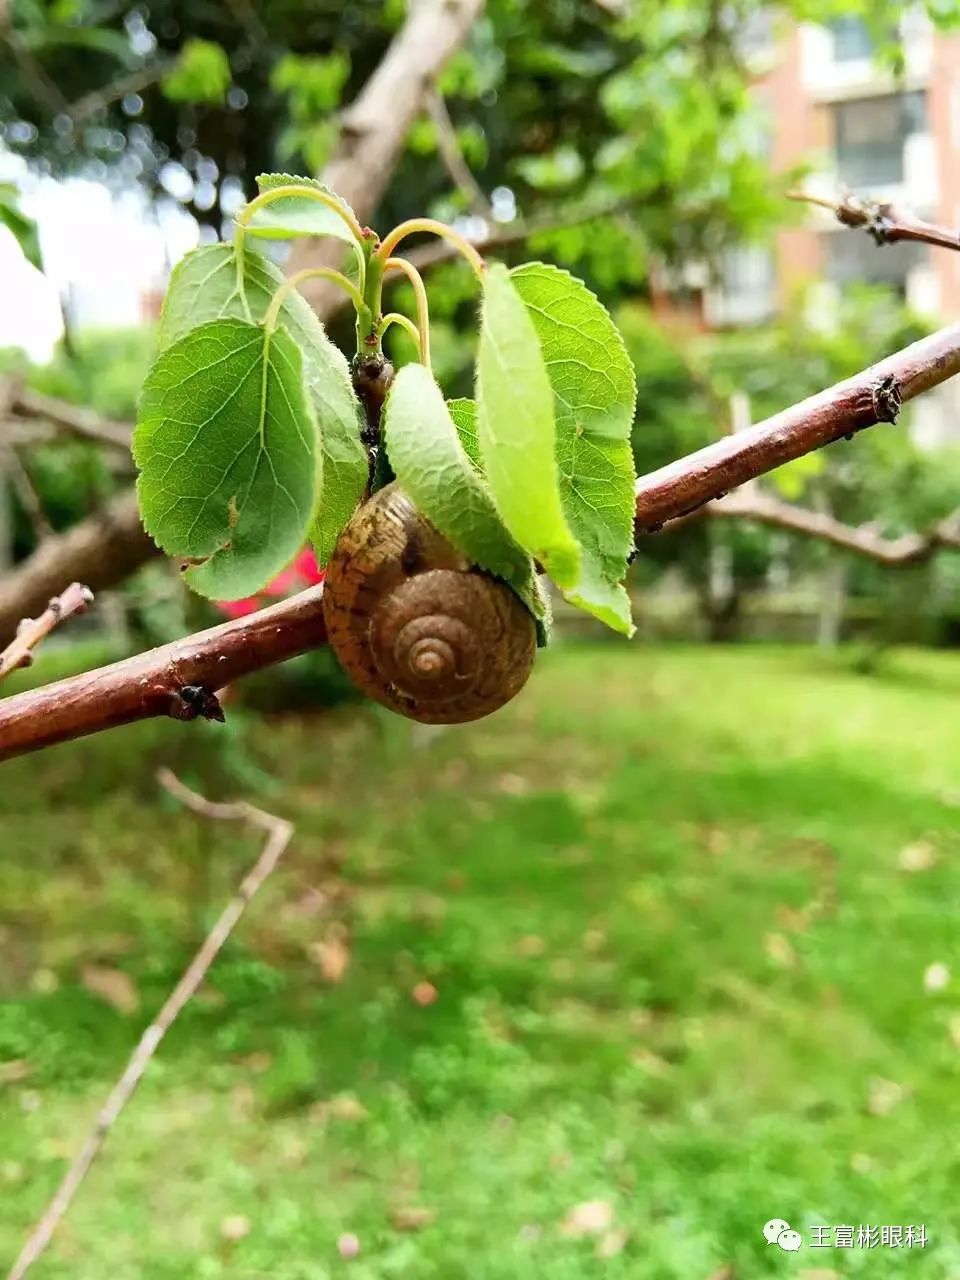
x=303, y=572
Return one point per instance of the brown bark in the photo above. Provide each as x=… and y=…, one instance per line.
x=177, y=680
x=910, y=549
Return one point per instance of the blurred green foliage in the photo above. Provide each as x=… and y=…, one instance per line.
x=675, y=913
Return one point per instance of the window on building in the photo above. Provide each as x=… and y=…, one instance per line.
x=851, y=40
x=746, y=292
x=854, y=257
x=869, y=135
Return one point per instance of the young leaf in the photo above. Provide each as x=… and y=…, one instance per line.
x=606, y=601
x=431, y=465
x=595, y=398
x=298, y=215
x=226, y=446
x=517, y=432
x=206, y=286
x=464, y=415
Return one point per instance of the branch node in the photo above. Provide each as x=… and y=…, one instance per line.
x=196, y=701
x=887, y=399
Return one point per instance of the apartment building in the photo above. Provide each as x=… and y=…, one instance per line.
x=828, y=102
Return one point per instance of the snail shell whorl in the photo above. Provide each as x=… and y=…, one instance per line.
x=416, y=626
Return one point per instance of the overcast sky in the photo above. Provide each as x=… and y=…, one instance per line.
x=102, y=249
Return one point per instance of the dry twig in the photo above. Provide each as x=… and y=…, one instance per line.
x=448, y=145
x=884, y=222
x=278, y=832
x=19, y=652
x=862, y=540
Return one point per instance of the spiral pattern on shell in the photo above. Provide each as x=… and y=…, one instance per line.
x=416, y=626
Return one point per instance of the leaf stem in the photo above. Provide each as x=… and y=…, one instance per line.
x=307, y=193
x=423, y=309
x=397, y=317
x=433, y=227
x=314, y=273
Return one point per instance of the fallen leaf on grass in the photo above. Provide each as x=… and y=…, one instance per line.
x=14, y=1071
x=331, y=955
x=591, y=1218
x=935, y=977
x=883, y=1096
x=112, y=985
x=344, y=1106
x=779, y=951
x=612, y=1243
x=918, y=856
x=234, y=1228
x=412, y=1217
x=348, y=1245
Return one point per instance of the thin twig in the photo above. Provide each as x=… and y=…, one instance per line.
x=19, y=652
x=448, y=145
x=884, y=222
x=279, y=833
x=88, y=105
x=44, y=89
x=26, y=491
x=518, y=232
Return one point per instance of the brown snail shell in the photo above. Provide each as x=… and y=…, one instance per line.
x=415, y=624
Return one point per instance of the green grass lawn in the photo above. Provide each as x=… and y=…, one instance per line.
x=649, y=938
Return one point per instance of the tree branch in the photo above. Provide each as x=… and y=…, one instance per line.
x=82, y=108
x=884, y=222
x=459, y=172
x=279, y=833
x=19, y=652
x=433, y=255
x=84, y=423
x=26, y=491
x=850, y=406
x=177, y=680
x=863, y=540
x=375, y=125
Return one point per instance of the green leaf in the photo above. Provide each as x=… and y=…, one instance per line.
x=227, y=450
x=430, y=463
x=201, y=73
x=464, y=415
x=298, y=215
x=606, y=601
x=344, y=474
x=594, y=399
x=204, y=287
x=24, y=229
x=517, y=432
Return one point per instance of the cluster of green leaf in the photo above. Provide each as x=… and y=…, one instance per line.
x=249, y=431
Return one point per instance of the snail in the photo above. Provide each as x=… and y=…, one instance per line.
x=415, y=624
